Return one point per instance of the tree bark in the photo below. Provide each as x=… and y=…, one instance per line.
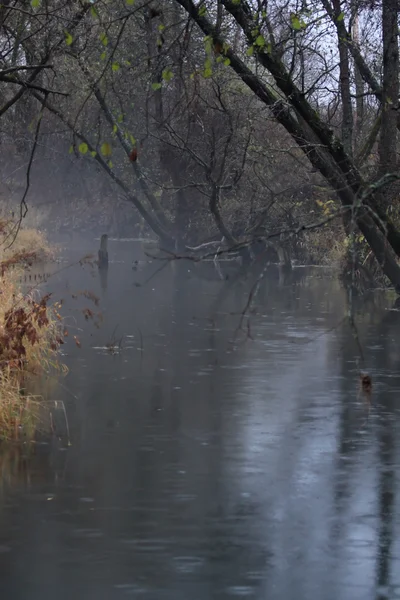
x=359, y=86
x=390, y=87
x=344, y=68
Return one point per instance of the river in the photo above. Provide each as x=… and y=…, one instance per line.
x=211, y=456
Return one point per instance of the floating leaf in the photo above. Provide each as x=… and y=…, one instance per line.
x=115, y=67
x=167, y=75
x=68, y=38
x=83, y=148
x=156, y=86
x=106, y=149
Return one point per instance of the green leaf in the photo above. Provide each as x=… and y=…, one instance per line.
x=115, y=67
x=103, y=38
x=235, y=1
x=83, y=148
x=105, y=149
x=250, y=51
x=68, y=38
x=156, y=86
x=130, y=2
x=260, y=41
x=110, y=164
x=120, y=118
x=35, y=3
x=227, y=62
x=71, y=149
x=167, y=75
x=161, y=27
x=208, y=44
x=103, y=55
x=132, y=140
x=94, y=13
x=115, y=128
x=297, y=24
x=340, y=17
x=202, y=10
x=93, y=153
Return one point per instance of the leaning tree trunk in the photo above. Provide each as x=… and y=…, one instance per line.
x=328, y=156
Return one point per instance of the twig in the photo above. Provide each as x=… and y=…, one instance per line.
x=23, y=207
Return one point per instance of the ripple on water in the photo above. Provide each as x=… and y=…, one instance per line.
x=241, y=590
x=187, y=564
x=145, y=545
x=88, y=533
x=131, y=588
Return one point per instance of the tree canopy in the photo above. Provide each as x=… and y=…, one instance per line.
x=217, y=120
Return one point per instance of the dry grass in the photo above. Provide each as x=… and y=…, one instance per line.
x=30, y=241
x=19, y=414
x=30, y=334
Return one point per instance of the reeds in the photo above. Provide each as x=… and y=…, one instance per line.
x=30, y=336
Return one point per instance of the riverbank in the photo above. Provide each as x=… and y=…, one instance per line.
x=30, y=334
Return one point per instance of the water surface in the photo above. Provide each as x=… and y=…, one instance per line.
x=211, y=458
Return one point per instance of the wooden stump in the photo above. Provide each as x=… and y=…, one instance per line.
x=103, y=252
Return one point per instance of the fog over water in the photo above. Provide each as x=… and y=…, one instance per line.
x=208, y=461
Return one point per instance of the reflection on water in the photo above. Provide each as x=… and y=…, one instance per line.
x=205, y=463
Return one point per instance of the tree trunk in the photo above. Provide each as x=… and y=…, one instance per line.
x=170, y=160
x=390, y=88
x=359, y=86
x=344, y=67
